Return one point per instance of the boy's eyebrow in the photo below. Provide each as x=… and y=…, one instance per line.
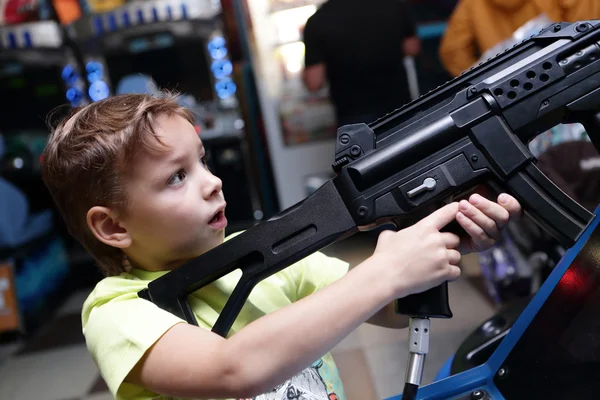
x=180, y=157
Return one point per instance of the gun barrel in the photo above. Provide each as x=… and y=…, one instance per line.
x=372, y=168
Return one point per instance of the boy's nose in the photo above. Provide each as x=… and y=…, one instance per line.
x=211, y=186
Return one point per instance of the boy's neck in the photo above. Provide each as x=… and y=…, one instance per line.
x=136, y=260
x=130, y=263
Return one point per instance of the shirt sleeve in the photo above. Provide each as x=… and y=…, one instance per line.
x=118, y=333
x=313, y=52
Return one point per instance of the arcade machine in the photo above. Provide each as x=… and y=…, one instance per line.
x=147, y=46
x=39, y=75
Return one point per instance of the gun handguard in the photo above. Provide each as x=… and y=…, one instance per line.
x=472, y=130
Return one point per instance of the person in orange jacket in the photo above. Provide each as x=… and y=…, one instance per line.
x=477, y=25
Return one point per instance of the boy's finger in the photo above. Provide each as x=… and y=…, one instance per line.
x=511, y=205
x=453, y=272
x=454, y=256
x=492, y=210
x=489, y=225
x=479, y=237
x=451, y=240
x=443, y=216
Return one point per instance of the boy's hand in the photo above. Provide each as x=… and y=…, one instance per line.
x=420, y=257
x=483, y=219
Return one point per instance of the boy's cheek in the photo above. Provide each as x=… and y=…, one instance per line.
x=181, y=218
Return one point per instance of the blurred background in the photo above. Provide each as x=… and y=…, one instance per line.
x=270, y=136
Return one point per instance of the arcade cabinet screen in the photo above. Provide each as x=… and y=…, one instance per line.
x=178, y=65
x=29, y=94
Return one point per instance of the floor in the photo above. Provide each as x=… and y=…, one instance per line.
x=55, y=364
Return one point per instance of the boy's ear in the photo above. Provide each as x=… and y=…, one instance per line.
x=106, y=228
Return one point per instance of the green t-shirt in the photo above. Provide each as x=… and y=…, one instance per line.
x=119, y=327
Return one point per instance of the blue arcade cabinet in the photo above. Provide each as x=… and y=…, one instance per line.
x=552, y=351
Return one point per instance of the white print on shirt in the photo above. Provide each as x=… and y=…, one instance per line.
x=307, y=385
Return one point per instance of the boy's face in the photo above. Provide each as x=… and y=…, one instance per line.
x=176, y=206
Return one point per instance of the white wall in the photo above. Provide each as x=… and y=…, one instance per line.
x=292, y=164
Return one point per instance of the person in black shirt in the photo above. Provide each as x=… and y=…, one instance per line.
x=358, y=47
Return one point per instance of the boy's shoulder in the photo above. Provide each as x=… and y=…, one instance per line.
x=115, y=288
x=119, y=327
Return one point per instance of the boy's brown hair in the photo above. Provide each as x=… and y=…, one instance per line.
x=87, y=156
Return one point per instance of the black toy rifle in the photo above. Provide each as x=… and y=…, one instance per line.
x=473, y=130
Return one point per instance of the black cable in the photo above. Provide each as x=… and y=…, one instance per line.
x=410, y=391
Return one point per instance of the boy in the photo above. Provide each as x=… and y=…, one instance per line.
x=129, y=178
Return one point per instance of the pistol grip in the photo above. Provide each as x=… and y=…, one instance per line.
x=432, y=303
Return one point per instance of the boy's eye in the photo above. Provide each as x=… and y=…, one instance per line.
x=177, y=178
x=203, y=162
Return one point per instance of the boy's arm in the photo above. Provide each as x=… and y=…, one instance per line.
x=192, y=362
x=188, y=361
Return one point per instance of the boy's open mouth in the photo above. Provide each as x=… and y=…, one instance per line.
x=216, y=217
x=218, y=221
